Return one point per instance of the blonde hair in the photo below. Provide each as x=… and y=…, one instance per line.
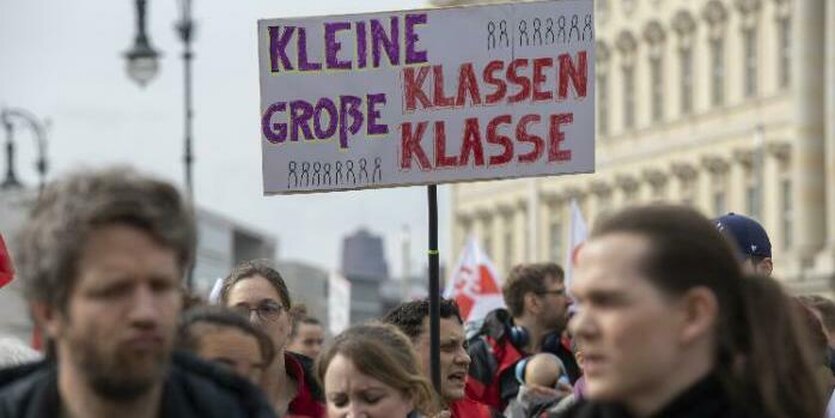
x=383, y=352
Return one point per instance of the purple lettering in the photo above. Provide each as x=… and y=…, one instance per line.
x=275, y=133
x=348, y=108
x=374, y=114
x=325, y=105
x=362, y=46
x=379, y=40
x=300, y=114
x=414, y=56
x=332, y=46
x=278, y=47
x=304, y=64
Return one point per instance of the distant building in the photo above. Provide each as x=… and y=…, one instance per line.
x=364, y=265
x=308, y=284
x=222, y=243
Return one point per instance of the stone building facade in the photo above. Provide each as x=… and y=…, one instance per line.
x=725, y=105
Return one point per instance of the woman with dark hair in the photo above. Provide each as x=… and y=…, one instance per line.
x=372, y=371
x=257, y=291
x=670, y=328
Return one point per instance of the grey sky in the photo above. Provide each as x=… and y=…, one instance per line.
x=63, y=60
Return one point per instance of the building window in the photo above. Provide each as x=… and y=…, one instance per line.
x=508, y=250
x=784, y=51
x=657, y=83
x=628, y=97
x=749, y=41
x=630, y=195
x=786, y=215
x=488, y=244
x=555, y=244
x=603, y=104
x=717, y=52
x=686, y=57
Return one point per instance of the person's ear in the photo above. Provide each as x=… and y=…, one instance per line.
x=532, y=303
x=49, y=318
x=765, y=267
x=700, y=311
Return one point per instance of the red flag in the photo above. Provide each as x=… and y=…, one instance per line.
x=474, y=284
x=6, y=269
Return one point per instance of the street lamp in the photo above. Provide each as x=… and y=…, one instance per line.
x=143, y=65
x=143, y=59
x=38, y=130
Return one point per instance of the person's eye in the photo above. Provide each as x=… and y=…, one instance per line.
x=339, y=400
x=373, y=399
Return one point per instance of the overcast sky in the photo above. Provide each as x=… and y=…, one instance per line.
x=63, y=60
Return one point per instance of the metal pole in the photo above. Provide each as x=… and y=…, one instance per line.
x=434, y=290
x=11, y=180
x=185, y=29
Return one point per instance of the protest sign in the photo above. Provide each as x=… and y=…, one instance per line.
x=427, y=96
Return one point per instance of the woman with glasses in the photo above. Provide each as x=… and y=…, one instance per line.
x=257, y=291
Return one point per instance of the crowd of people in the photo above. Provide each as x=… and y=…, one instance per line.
x=668, y=314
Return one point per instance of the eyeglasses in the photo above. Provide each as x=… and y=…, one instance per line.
x=268, y=311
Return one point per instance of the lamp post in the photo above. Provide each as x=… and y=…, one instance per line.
x=7, y=115
x=143, y=59
x=142, y=66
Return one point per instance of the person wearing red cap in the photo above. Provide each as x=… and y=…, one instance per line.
x=751, y=241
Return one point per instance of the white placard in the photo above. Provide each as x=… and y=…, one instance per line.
x=427, y=96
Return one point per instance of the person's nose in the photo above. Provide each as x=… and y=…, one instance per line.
x=582, y=324
x=357, y=410
x=462, y=357
x=145, y=308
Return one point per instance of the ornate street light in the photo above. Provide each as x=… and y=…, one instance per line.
x=38, y=129
x=143, y=59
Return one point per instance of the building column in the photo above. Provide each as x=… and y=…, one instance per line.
x=521, y=234
x=808, y=156
x=715, y=181
x=740, y=173
x=685, y=187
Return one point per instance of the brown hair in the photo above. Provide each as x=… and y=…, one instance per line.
x=70, y=209
x=528, y=278
x=760, y=356
x=824, y=307
x=383, y=352
x=189, y=332
x=252, y=268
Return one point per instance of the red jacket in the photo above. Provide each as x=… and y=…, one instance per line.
x=468, y=408
x=308, y=401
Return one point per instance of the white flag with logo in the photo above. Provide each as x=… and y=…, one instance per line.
x=474, y=284
x=577, y=236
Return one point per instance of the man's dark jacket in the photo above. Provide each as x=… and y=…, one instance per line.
x=193, y=389
x=705, y=399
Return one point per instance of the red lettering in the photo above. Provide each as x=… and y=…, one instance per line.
x=471, y=144
x=440, y=99
x=576, y=74
x=441, y=159
x=493, y=137
x=467, y=84
x=522, y=135
x=490, y=78
x=523, y=82
x=556, y=136
x=540, y=64
x=410, y=146
x=413, y=88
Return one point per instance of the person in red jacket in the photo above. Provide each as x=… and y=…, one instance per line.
x=413, y=319
x=257, y=291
